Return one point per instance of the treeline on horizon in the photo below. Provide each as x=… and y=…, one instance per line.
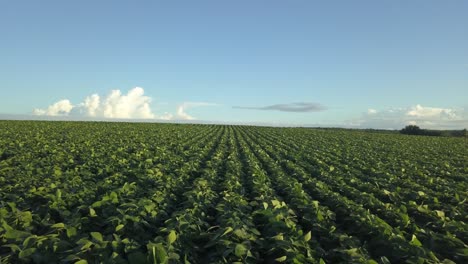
x=415, y=130
x=408, y=130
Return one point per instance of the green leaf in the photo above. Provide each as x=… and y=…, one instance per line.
x=87, y=245
x=97, y=236
x=281, y=259
x=447, y=261
x=58, y=225
x=82, y=261
x=13, y=247
x=322, y=261
x=352, y=252
x=316, y=204
x=275, y=203
x=332, y=168
x=440, y=214
x=92, y=213
x=320, y=217
x=186, y=260
x=160, y=253
x=279, y=237
x=71, y=231
x=70, y=258
x=154, y=255
x=174, y=256
x=240, y=233
x=26, y=253
x=114, y=255
x=384, y=260
x=57, y=172
x=228, y=230
x=265, y=205
x=415, y=241
x=30, y=241
x=307, y=236
x=16, y=234
x=117, y=228
x=171, y=237
x=97, y=204
x=240, y=250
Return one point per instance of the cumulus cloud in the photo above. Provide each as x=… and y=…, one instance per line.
x=133, y=105
x=91, y=104
x=419, y=111
x=300, y=107
x=182, y=108
x=117, y=105
x=423, y=116
x=60, y=108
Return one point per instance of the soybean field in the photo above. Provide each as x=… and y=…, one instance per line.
x=99, y=192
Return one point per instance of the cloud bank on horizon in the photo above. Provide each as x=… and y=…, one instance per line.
x=136, y=105
x=424, y=116
x=133, y=105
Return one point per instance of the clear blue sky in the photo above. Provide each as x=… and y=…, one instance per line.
x=348, y=56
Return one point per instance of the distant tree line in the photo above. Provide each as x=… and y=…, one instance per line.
x=415, y=130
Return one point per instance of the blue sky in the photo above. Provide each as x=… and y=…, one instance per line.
x=363, y=61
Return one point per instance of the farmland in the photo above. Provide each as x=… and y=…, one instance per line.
x=92, y=192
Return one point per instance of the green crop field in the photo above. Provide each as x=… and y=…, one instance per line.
x=96, y=192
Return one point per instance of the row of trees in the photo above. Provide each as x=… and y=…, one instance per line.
x=415, y=130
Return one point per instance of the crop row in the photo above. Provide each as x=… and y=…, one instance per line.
x=84, y=192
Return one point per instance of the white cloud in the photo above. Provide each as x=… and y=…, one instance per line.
x=60, y=108
x=423, y=116
x=181, y=109
x=431, y=112
x=133, y=105
x=181, y=114
x=91, y=104
x=166, y=116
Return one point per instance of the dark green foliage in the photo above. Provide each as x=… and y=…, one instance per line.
x=412, y=130
x=415, y=130
x=90, y=192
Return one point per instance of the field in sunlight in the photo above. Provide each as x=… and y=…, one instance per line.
x=92, y=192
